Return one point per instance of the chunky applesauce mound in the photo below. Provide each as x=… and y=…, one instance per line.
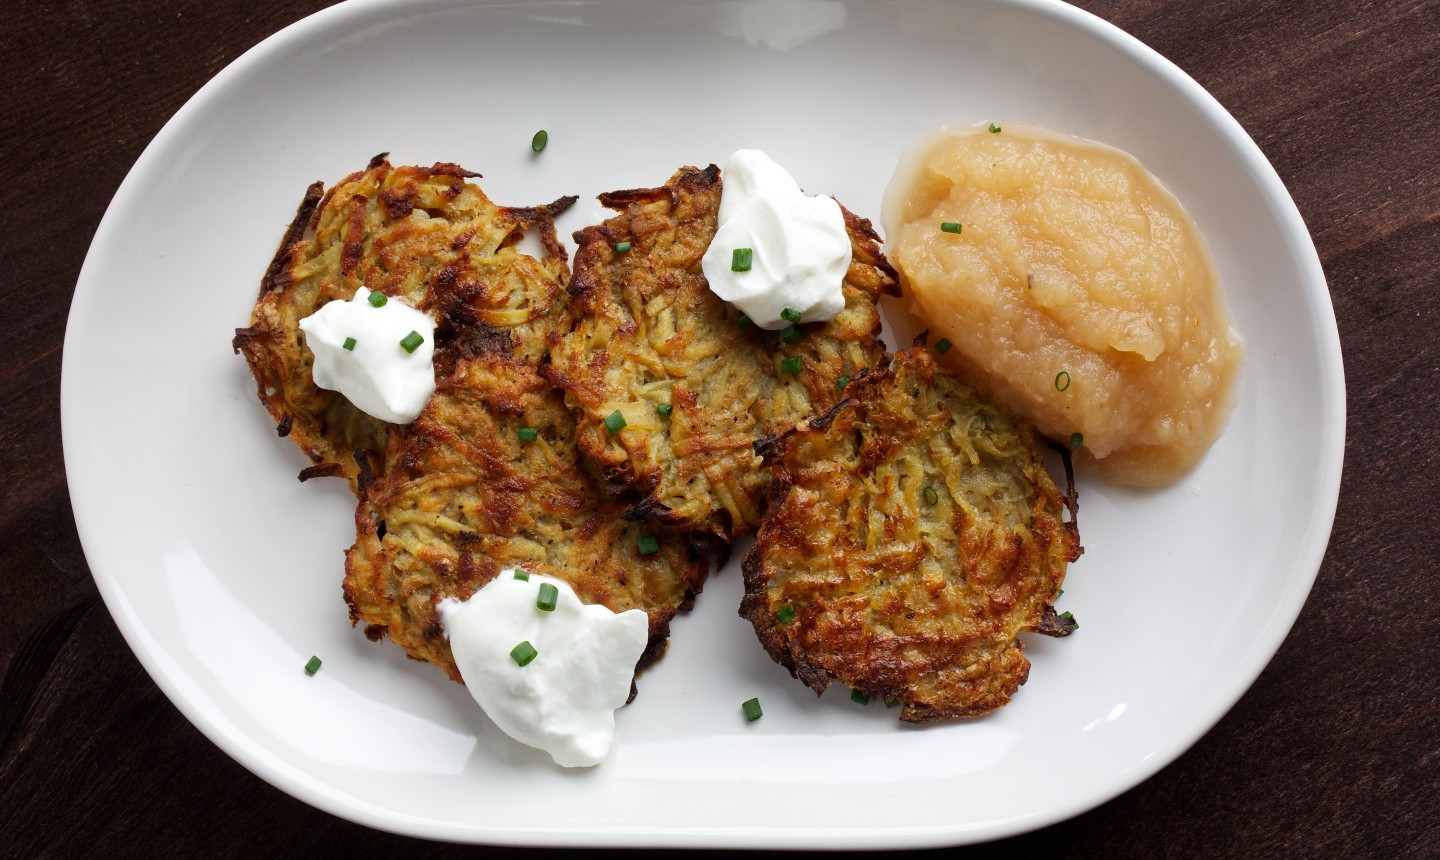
x=1072, y=285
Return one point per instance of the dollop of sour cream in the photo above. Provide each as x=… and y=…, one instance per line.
x=563, y=700
x=800, y=250
x=376, y=373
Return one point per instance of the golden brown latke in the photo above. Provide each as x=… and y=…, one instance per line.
x=463, y=496
x=419, y=233
x=646, y=330
x=913, y=532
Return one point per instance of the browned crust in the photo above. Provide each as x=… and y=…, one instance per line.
x=324, y=470
x=276, y=277
x=893, y=595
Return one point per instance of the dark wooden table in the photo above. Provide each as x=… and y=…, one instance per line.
x=1335, y=751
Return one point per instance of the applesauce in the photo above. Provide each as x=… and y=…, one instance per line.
x=1074, y=287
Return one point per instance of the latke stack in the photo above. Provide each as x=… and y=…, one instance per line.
x=449, y=500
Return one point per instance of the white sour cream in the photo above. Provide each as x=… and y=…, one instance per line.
x=800, y=249
x=377, y=374
x=564, y=700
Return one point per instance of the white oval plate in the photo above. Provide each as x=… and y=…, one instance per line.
x=223, y=572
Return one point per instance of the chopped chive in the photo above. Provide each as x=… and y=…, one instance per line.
x=792, y=365
x=647, y=544
x=548, y=595
x=312, y=665
x=841, y=383
x=943, y=346
x=615, y=422
x=931, y=497
x=523, y=575
x=528, y=434
x=859, y=697
x=790, y=315
x=622, y=247
x=741, y=258
x=377, y=300
x=743, y=321
x=1061, y=594
x=792, y=334
x=950, y=227
x=1076, y=440
x=538, y=142
x=410, y=341
x=349, y=344
x=523, y=653
x=664, y=410
x=994, y=129
x=751, y=707
x=785, y=614
x=1062, y=380
x=892, y=703
x=1069, y=619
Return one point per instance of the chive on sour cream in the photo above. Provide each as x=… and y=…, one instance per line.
x=776, y=249
x=551, y=678
x=377, y=351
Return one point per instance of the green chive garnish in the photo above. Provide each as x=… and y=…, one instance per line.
x=523, y=575
x=751, y=707
x=743, y=321
x=664, y=410
x=647, y=544
x=994, y=129
x=313, y=665
x=410, y=341
x=790, y=315
x=841, y=383
x=1076, y=440
x=740, y=259
x=528, y=434
x=1062, y=380
x=622, y=247
x=615, y=422
x=859, y=697
x=538, y=142
x=785, y=614
x=548, y=595
x=931, y=497
x=1061, y=594
x=892, y=703
x=792, y=365
x=792, y=334
x=377, y=300
x=1069, y=619
x=951, y=227
x=523, y=653
x=349, y=344
x=943, y=346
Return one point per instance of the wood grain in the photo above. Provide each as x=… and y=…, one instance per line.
x=1334, y=751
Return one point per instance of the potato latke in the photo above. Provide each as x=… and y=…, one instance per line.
x=464, y=496
x=913, y=532
x=646, y=334
x=422, y=234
